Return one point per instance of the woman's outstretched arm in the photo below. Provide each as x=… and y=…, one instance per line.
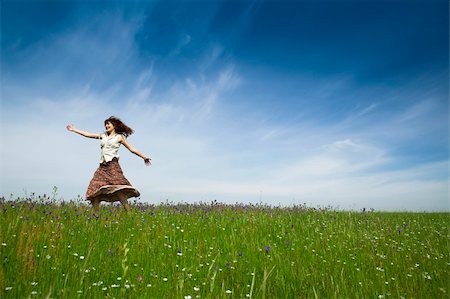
x=124, y=141
x=71, y=128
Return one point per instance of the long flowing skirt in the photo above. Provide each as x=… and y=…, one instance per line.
x=109, y=184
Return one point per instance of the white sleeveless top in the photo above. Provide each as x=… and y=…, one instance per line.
x=110, y=147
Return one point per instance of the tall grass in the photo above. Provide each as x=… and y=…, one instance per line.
x=61, y=250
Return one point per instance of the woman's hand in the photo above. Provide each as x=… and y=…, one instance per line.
x=70, y=127
x=147, y=161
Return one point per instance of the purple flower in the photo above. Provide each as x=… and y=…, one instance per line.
x=110, y=251
x=267, y=249
x=139, y=278
x=241, y=254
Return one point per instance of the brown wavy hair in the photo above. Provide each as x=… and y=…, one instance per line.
x=119, y=126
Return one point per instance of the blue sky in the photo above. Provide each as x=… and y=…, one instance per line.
x=340, y=103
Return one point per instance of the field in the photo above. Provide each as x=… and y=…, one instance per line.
x=51, y=249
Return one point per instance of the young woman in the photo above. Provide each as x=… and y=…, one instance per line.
x=109, y=184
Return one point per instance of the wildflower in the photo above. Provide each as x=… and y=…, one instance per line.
x=104, y=288
x=267, y=249
x=228, y=291
x=165, y=279
x=119, y=278
x=196, y=289
x=8, y=288
x=34, y=283
x=3, y=244
x=33, y=293
x=139, y=278
x=188, y=297
x=48, y=257
x=149, y=285
x=81, y=257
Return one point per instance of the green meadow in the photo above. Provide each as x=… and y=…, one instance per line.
x=53, y=249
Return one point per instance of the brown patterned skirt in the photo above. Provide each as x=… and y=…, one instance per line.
x=109, y=184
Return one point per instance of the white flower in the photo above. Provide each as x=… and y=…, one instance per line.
x=119, y=278
x=149, y=285
x=196, y=289
x=188, y=297
x=82, y=257
x=3, y=244
x=48, y=257
x=8, y=288
x=34, y=283
x=104, y=288
x=228, y=291
x=165, y=279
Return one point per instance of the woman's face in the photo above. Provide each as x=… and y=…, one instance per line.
x=109, y=127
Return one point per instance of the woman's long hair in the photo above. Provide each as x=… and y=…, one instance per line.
x=119, y=126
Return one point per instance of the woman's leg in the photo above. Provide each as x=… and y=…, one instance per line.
x=95, y=204
x=124, y=201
